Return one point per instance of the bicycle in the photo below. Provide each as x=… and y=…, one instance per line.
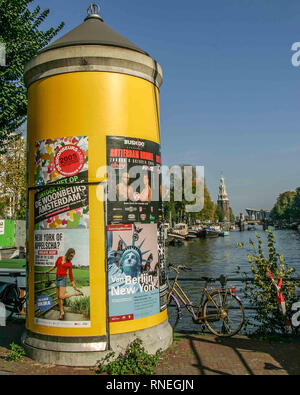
x=10, y=297
x=222, y=311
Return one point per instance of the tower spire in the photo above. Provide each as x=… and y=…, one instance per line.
x=223, y=200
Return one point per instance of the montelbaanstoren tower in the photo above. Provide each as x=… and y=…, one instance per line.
x=223, y=200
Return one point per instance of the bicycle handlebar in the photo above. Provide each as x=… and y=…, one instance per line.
x=221, y=278
x=179, y=267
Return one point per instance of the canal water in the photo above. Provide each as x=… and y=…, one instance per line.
x=216, y=256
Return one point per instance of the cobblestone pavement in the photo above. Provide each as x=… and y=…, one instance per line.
x=189, y=355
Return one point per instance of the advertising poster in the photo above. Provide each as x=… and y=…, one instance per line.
x=61, y=236
x=2, y=226
x=127, y=160
x=133, y=271
x=135, y=237
x=163, y=287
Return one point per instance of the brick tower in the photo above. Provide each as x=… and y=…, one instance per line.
x=223, y=200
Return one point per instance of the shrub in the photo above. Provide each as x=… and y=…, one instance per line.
x=135, y=360
x=261, y=293
x=15, y=353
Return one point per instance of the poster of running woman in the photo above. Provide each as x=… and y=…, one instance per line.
x=61, y=235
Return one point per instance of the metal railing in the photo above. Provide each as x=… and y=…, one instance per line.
x=223, y=280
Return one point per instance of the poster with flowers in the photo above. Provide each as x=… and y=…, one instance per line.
x=62, y=161
x=61, y=236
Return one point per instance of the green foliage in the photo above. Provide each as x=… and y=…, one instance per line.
x=220, y=213
x=232, y=217
x=13, y=179
x=19, y=31
x=3, y=205
x=21, y=210
x=295, y=209
x=208, y=211
x=16, y=353
x=176, y=210
x=135, y=361
x=287, y=207
x=282, y=210
x=261, y=293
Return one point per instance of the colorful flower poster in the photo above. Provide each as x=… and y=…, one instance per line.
x=62, y=161
x=61, y=236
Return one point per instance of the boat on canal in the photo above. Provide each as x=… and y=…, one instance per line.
x=224, y=233
x=210, y=232
x=181, y=231
x=251, y=226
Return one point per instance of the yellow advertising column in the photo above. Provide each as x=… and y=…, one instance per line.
x=96, y=267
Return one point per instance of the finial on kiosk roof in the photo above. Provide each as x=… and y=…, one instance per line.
x=93, y=11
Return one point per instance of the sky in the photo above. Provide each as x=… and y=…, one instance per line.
x=230, y=94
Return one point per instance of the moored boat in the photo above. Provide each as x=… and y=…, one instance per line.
x=181, y=230
x=224, y=233
x=210, y=232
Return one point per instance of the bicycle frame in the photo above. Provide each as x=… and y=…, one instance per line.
x=16, y=304
x=188, y=304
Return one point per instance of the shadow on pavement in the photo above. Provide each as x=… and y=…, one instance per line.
x=243, y=350
x=12, y=332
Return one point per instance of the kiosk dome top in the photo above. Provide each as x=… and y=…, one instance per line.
x=93, y=31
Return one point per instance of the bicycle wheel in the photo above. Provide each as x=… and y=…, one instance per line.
x=224, y=316
x=173, y=312
x=11, y=302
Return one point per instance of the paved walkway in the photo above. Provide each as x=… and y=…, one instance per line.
x=240, y=355
x=189, y=355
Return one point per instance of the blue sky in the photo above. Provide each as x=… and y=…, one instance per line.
x=230, y=97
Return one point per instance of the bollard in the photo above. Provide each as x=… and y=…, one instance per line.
x=96, y=267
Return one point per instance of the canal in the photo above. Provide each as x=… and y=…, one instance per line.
x=216, y=256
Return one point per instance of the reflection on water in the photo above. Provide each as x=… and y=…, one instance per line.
x=212, y=257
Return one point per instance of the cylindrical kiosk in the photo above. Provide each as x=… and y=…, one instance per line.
x=96, y=265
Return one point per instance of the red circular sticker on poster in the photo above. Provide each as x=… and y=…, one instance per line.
x=69, y=160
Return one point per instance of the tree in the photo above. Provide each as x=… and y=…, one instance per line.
x=232, y=217
x=295, y=209
x=19, y=31
x=13, y=179
x=220, y=213
x=282, y=210
x=208, y=211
